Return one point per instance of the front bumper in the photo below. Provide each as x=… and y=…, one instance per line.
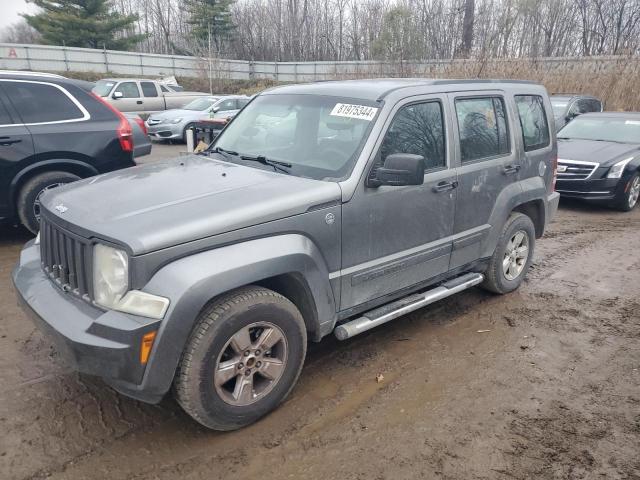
x=597, y=190
x=165, y=131
x=105, y=344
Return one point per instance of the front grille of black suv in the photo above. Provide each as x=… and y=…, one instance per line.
x=575, y=170
x=66, y=258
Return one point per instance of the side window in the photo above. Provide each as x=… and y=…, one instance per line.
x=227, y=105
x=40, y=103
x=595, y=106
x=5, y=118
x=149, y=89
x=242, y=102
x=533, y=119
x=164, y=89
x=483, y=128
x=418, y=129
x=128, y=90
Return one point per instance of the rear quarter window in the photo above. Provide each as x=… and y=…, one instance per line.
x=42, y=103
x=533, y=120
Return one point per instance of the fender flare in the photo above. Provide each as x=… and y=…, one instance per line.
x=49, y=164
x=192, y=282
x=516, y=194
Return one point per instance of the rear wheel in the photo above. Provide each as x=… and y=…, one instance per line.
x=30, y=194
x=630, y=198
x=243, y=358
x=513, y=255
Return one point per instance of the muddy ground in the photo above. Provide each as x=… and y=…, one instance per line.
x=551, y=390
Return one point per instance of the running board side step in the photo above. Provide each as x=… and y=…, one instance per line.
x=405, y=305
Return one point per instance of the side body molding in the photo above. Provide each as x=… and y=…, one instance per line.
x=192, y=281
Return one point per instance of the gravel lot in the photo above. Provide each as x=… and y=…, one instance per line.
x=542, y=383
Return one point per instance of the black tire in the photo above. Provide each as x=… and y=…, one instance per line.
x=185, y=132
x=194, y=385
x=495, y=277
x=626, y=202
x=26, y=204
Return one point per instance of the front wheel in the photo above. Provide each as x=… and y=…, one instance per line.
x=631, y=195
x=29, y=196
x=513, y=255
x=243, y=358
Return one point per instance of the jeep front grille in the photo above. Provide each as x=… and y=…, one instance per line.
x=575, y=170
x=66, y=258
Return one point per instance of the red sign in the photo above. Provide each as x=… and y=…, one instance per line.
x=12, y=53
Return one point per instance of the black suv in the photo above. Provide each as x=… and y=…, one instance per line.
x=52, y=132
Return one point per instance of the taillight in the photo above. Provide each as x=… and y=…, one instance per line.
x=141, y=124
x=124, y=132
x=555, y=173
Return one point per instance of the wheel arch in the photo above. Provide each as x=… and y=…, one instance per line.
x=534, y=209
x=289, y=264
x=76, y=167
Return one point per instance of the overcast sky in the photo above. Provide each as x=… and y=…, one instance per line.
x=11, y=10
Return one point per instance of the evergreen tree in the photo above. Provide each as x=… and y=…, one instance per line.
x=210, y=16
x=83, y=23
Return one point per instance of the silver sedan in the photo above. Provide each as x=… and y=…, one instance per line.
x=173, y=124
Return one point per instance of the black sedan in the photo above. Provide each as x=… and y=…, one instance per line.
x=599, y=159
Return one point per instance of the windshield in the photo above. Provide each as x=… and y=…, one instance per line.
x=319, y=136
x=201, y=104
x=103, y=87
x=559, y=107
x=608, y=129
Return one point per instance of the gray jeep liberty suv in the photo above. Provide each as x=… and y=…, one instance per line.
x=324, y=207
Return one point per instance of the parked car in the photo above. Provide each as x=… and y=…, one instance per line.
x=599, y=159
x=566, y=107
x=326, y=207
x=141, y=143
x=53, y=132
x=173, y=124
x=142, y=96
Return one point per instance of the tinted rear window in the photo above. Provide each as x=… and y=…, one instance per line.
x=483, y=128
x=149, y=89
x=39, y=102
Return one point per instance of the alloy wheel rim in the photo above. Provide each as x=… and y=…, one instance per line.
x=634, y=192
x=515, y=255
x=36, y=202
x=251, y=364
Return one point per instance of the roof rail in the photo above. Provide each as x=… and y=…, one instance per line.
x=29, y=74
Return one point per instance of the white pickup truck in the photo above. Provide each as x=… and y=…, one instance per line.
x=142, y=96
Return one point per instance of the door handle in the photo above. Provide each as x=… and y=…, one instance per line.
x=139, y=102
x=508, y=169
x=6, y=141
x=445, y=186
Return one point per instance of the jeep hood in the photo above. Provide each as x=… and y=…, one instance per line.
x=605, y=153
x=162, y=204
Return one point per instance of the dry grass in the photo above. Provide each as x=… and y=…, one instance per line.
x=614, y=79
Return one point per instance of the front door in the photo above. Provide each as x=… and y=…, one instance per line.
x=488, y=172
x=399, y=237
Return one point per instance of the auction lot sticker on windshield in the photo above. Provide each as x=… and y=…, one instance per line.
x=361, y=112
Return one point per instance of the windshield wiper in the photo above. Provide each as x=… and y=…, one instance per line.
x=276, y=164
x=225, y=153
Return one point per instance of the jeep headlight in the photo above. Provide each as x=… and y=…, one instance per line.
x=617, y=170
x=111, y=285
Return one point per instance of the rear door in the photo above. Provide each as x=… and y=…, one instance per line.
x=488, y=170
x=153, y=101
x=400, y=237
x=16, y=146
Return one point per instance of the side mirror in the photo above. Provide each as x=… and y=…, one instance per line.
x=215, y=109
x=400, y=169
x=117, y=95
